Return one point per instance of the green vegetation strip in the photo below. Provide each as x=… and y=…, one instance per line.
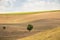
x=12, y=13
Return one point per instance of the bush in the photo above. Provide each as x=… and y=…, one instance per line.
x=29, y=27
x=4, y=27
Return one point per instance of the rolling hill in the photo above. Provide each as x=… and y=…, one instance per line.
x=16, y=24
x=20, y=18
x=53, y=34
x=40, y=21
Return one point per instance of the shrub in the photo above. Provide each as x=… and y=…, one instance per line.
x=29, y=27
x=4, y=27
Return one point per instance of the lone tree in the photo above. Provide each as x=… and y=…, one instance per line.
x=4, y=27
x=29, y=27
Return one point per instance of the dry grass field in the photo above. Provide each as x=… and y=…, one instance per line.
x=46, y=35
x=16, y=24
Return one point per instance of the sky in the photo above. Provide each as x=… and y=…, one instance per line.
x=28, y=5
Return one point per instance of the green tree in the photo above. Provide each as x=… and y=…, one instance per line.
x=29, y=27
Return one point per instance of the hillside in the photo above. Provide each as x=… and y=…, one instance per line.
x=18, y=18
x=16, y=24
x=40, y=21
x=53, y=34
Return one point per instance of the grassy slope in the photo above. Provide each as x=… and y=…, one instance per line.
x=17, y=18
x=43, y=20
x=53, y=34
x=29, y=18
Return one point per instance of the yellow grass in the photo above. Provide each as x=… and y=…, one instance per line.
x=11, y=18
x=52, y=17
x=53, y=34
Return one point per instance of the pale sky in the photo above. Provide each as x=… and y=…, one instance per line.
x=28, y=5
